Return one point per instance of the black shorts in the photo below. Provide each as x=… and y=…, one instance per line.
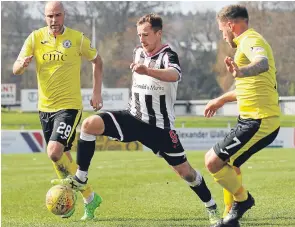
x=248, y=137
x=60, y=126
x=124, y=127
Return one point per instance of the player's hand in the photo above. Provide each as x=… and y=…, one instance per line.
x=96, y=101
x=212, y=106
x=139, y=68
x=26, y=61
x=232, y=67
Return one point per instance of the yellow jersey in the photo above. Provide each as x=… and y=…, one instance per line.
x=257, y=96
x=58, y=63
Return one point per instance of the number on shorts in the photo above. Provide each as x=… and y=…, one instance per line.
x=64, y=129
x=236, y=143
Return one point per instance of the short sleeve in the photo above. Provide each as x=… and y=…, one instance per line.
x=86, y=49
x=170, y=60
x=28, y=47
x=254, y=47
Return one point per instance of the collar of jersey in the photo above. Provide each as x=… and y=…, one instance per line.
x=238, y=39
x=158, y=52
x=60, y=34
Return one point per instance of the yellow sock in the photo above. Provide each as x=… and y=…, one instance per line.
x=228, y=197
x=64, y=167
x=228, y=201
x=227, y=178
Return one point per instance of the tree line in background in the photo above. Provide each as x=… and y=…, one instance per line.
x=194, y=36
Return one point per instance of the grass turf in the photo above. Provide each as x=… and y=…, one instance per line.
x=139, y=189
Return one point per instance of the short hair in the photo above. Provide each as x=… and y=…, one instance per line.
x=154, y=19
x=233, y=12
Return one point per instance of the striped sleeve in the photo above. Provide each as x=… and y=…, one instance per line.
x=170, y=60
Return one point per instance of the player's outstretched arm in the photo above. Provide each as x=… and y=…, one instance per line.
x=20, y=65
x=167, y=75
x=214, y=104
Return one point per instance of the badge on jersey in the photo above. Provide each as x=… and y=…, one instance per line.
x=67, y=44
x=257, y=49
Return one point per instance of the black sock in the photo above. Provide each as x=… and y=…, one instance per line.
x=202, y=191
x=85, y=153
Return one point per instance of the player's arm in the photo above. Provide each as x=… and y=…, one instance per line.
x=258, y=66
x=167, y=75
x=170, y=73
x=254, y=49
x=25, y=57
x=92, y=55
x=97, y=74
x=214, y=104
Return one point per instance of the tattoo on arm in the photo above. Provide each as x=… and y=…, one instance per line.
x=255, y=68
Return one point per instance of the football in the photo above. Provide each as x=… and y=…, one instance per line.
x=60, y=199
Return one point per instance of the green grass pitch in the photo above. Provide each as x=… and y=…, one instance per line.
x=140, y=189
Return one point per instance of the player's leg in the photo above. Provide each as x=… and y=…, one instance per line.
x=239, y=145
x=197, y=183
x=165, y=143
x=91, y=200
x=62, y=128
x=228, y=197
x=102, y=124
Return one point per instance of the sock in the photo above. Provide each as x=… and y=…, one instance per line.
x=200, y=188
x=228, y=198
x=82, y=175
x=89, y=198
x=227, y=178
x=85, y=150
x=64, y=167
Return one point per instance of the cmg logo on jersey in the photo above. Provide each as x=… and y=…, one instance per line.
x=54, y=56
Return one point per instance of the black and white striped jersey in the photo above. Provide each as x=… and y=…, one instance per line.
x=152, y=100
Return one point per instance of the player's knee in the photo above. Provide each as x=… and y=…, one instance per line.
x=185, y=171
x=209, y=162
x=93, y=125
x=54, y=150
x=212, y=162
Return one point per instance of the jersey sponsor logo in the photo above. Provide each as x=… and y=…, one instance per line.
x=44, y=42
x=257, y=49
x=54, y=56
x=67, y=43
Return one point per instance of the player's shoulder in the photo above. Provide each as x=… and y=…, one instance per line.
x=39, y=32
x=169, y=52
x=253, y=37
x=137, y=48
x=74, y=32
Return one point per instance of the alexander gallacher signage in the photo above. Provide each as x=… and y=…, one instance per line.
x=198, y=139
x=113, y=99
